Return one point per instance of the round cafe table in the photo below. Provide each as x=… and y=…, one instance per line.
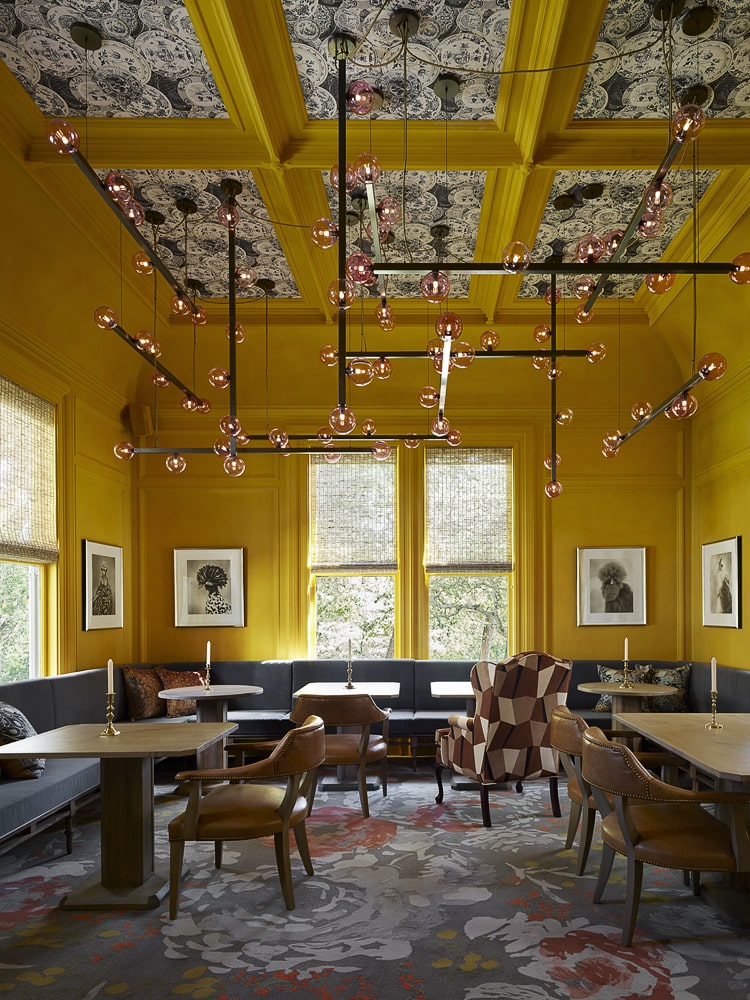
x=211, y=706
x=629, y=699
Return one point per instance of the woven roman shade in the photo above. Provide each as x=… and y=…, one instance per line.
x=468, y=510
x=28, y=518
x=353, y=514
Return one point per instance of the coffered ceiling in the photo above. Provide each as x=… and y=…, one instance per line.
x=560, y=120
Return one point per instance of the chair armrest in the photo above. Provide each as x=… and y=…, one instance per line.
x=464, y=722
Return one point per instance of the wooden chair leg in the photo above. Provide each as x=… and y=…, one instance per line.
x=519, y=787
x=439, y=768
x=584, y=844
x=695, y=879
x=633, y=898
x=608, y=856
x=69, y=834
x=176, y=854
x=284, y=865
x=384, y=775
x=484, y=799
x=574, y=819
x=218, y=853
x=362, y=781
x=300, y=836
x=554, y=796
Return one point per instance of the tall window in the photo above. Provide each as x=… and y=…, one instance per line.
x=353, y=555
x=468, y=551
x=28, y=523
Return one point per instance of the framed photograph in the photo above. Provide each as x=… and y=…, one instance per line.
x=612, y=586
x=102, y=585
x=209, y=587
x=722, y=595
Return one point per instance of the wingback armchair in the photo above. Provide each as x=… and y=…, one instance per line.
x=507, y=740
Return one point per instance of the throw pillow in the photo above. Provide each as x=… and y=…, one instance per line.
x=142, y=687
x=639, y=674
x=678, y=677
x=177, y=707
x=15, y=726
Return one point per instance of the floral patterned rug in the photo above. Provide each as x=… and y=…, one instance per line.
x=419, y=902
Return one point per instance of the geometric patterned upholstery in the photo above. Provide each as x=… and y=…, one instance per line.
x=508, y=737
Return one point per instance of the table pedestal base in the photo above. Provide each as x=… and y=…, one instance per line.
x=730, y=897
x=345, y=783
x=92, y=895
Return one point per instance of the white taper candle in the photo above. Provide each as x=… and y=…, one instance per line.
x=625, y=656
x=208, y=653
x=110, y=677
x=713, y=673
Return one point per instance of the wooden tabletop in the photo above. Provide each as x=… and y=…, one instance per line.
x=136, y=739
x=378, y=689
x=723, y=753
x=215, y=691
x=636, y=690
x=451, y=689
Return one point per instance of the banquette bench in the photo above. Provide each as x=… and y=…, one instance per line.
x=27, y=806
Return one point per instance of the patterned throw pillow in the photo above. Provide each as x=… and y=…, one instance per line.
x=639, y=674
x=142, y=687
x=177, y=707
x=15, y=726
x=678, y=677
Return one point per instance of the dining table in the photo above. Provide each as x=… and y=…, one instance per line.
x=628, y=699
x=455, y=689
x=721, y=757
x=127, y=879
x=211, y=706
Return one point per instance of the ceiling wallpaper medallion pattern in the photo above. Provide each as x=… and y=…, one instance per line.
x=623, y=190
x=431, y=196
x=256, y=240
x=635, y=85
x=150, y=64
x=459, y=36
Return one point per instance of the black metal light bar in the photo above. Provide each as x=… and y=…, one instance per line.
x=661, y=408
x=629, y=267
x=154, y=362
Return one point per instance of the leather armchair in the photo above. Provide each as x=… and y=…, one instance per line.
x=240, y=810
x=507, y=740
x=651, y=822
x=566, y=736
x=359, y=747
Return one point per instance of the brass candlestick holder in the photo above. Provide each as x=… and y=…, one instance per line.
x=207, y=684
x=713, y=724
x=349, y=683
x=626, y=682
x=110, y=729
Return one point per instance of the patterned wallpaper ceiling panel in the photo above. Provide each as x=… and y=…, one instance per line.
x=431, y=196
x=633, y=82
x=623, y=190
x=465, y=37
x=150, y=65
x=256, y=240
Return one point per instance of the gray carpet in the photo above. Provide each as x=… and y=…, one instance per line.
x=419, y=902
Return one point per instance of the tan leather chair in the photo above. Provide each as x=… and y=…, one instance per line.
x=652, y=822
x=242, y=811
x=566, y=736
x=360, y=747
x=507, y=739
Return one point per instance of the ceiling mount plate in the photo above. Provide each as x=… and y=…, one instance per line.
x=446, y=86
x=154, y=218
x=186, y=205
x=563, y=202
x=231, y=186
x=698, y=20
x=342, y=46
x=266, y=285
x=699, y=94
x=86, y=36
x=439, y=231
x=404, y=23
x=592, y=191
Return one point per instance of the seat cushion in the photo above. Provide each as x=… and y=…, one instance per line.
x=142, y=687
x=177, y=707
x=678, y=677
x=639, y=674
x=15, y=726
x=240, y=812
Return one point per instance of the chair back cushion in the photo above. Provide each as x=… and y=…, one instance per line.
x=338, y=709
x=510, y=735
